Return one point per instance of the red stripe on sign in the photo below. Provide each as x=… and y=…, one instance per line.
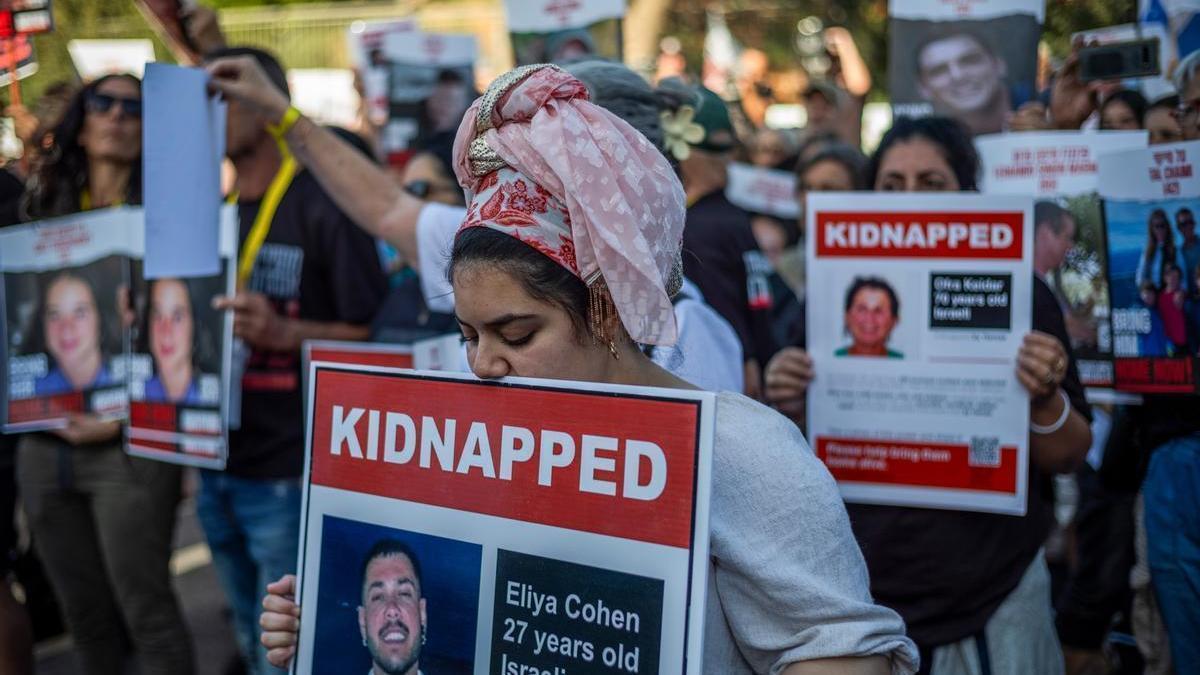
x=629, y=473
x=362, y=358
x=44, y=407
x=933, y=465
x=976, y=235
x=157, y=416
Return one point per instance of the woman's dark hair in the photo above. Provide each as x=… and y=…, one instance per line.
x=874, y=284
x=850, y=159
x=205, y=353
x=540, y=277
x=1135, y=101
x=61, y=171
x=1168, y=245
x=441, y=147
x=951, y=137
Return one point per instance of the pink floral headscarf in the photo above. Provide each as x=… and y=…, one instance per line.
x=541, y=163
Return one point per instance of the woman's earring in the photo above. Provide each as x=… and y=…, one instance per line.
x=612, y=349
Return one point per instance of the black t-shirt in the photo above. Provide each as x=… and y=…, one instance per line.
x=721, y=256
x=944, y=571
x=315, y=265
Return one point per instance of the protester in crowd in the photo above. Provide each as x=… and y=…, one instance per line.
x=1160, y=249
x=315, y=276
x=1161, y=121
x=787, y=590
x=102, y=521
x=821, y=107
x=963, y=77
x=970, y=586
x=721, y=255
x=1123, y=110
x=773, y=149
x=423, y=232
x=174, y=340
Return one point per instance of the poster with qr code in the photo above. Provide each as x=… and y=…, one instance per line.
x=915, y=399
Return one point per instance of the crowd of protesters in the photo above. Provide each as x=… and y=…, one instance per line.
x=799, y=582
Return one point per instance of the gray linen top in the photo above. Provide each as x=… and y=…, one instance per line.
x=787, y=581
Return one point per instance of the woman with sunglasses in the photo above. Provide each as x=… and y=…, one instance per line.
x=102, y=521
x=1160, y=250
x=787, y=590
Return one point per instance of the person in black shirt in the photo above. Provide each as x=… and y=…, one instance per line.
x=720, y=253
x=969, y=585
x=316, y=276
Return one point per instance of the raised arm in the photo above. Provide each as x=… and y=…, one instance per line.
x=363, y=190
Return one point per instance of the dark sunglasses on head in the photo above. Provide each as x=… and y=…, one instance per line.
x=102, y=103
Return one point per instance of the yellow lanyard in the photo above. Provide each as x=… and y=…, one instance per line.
x=266, y=213
x=85, y=200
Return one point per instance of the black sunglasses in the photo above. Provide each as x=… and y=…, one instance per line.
x=102, y=103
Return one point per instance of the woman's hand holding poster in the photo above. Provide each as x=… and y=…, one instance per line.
x=921, y=304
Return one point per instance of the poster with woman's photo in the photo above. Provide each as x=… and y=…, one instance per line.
x=1151, y=202
x=180, y=360
x=1061, y=168
x=926, y=299
x=561, y=31
x=65, y=286
x=975, y=61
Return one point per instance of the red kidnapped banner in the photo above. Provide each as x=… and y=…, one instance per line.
x=916, y=464
x=622, y=466
x=976, y=235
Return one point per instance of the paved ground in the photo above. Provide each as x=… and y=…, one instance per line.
x=203, y=603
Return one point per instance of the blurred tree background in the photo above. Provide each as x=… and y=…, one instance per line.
x=769, y=25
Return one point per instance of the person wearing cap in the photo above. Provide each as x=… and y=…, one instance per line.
x=721, y=254
x=566, y=263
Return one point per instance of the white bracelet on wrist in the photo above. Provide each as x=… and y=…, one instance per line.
x=1058, y=423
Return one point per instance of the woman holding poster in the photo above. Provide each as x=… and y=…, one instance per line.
x=102, y=521
x=556, y=277
x=984, y=585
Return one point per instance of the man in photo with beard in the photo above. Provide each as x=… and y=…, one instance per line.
x=391, y=617
x=963, y=77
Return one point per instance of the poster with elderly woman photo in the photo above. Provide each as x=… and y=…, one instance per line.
x=924, y=303
x=65, y=289
x=975, y=61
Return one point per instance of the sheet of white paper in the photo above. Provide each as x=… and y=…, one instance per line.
x=183, y=139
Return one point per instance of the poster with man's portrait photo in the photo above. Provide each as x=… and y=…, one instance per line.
x=1151, y=203
x=65, y=286
x=180, y=361
x=389, y=599
x=554, y=31
x=974, y=61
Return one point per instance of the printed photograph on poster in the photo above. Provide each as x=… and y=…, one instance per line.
x=975, y=65
x=66, y=285
x=392, y=600
x=1151, y=200
x=1155, y=278
x=926, y=299
x=428, y=80
x=180, y=366
x=1062, y=169
x=527, y=518
x=873, y=325
x=553, y=31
